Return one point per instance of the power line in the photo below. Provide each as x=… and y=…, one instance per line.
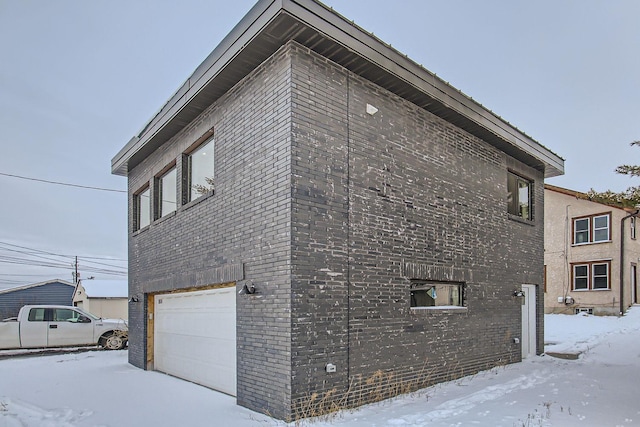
x=63, y=183
x=99, y=263
x=61, y=255
x=107, y=259
x=36, y=258
x=24, y=275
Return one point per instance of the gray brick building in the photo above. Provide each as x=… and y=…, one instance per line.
x=387, y=224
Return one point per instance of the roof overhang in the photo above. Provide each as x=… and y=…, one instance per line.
x=272, y=23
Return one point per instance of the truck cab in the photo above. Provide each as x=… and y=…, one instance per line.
x=61, y=326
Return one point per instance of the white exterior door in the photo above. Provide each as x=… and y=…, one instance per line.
x=195, y=337
x=529, y=321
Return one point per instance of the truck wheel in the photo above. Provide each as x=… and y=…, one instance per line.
x=113, y=342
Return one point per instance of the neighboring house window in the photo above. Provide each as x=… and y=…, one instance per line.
x=438, y=295
x=580, y=277
x=592, y=229
x=200, y=170
x=167, y=193
x=519, y=196
x=591, y=276
x=633, y=227
x=142, y=205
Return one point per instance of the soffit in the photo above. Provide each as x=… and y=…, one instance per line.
x=270, y=24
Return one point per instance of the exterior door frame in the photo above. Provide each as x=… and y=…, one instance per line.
x=634, y=283
x=529, y=329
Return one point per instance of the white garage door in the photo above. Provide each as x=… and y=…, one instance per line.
x=195, y=337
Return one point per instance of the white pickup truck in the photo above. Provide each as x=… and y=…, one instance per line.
x=39, y=326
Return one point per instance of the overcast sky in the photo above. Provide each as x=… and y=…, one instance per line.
x=79, y=78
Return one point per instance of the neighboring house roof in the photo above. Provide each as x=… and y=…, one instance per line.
x=272, y=23
x=34, y=285
x=105, y=288
x=583, y=196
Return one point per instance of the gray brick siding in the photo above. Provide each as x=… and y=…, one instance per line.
x=375, y=192
x=330, y=212
x=246, y=221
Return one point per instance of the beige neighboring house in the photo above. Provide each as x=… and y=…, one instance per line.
x=583, y=252
x=104, y=298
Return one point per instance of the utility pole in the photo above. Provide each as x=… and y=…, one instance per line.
x=76, y=276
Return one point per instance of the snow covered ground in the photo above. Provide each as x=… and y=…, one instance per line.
x=100, y=388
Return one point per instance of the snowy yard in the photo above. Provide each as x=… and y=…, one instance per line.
x=100, y=388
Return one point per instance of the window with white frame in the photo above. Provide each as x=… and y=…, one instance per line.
x=519, y=198
x=200, y=170
x=167, y=193
x=633, y=227
x=425, y=294
x=591, y=276
x=142, y=206
x=592, y=229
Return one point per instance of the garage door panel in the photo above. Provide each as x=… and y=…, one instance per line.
x=177, y=346
x=195, y=337
x=209, y=375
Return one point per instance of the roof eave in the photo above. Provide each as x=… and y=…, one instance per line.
x=394, y=68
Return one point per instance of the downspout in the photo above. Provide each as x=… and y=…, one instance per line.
x=622, y=258
x=348, y=229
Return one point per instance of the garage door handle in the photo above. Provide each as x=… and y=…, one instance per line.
x=53, y=326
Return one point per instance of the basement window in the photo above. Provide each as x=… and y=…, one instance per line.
x=438, y=295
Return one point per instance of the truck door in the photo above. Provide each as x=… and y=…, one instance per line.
x=69, y=327
x=33, y=330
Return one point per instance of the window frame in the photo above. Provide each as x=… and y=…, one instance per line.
x=138, y=208
x=590, y=276
x=591, y=229
x=514, y=205
x=159, y=202
x=33, y=315
x=189, y=194
x=632, y=225
x=426, y=285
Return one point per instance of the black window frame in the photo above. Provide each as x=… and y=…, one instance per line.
x=137, y=208
x=514, y=204
x=190, y=194
x=159, y=196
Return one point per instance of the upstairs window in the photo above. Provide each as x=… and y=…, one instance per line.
x=519, y=199
x=592, y=229
x=167, y=193
x=436, y=294
x=592, y=276
x=142, y=206
x=633, y=227
x=200, y=170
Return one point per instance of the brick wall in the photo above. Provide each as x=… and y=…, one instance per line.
x=330, y=212
x=373, y=193
x=246, y=222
